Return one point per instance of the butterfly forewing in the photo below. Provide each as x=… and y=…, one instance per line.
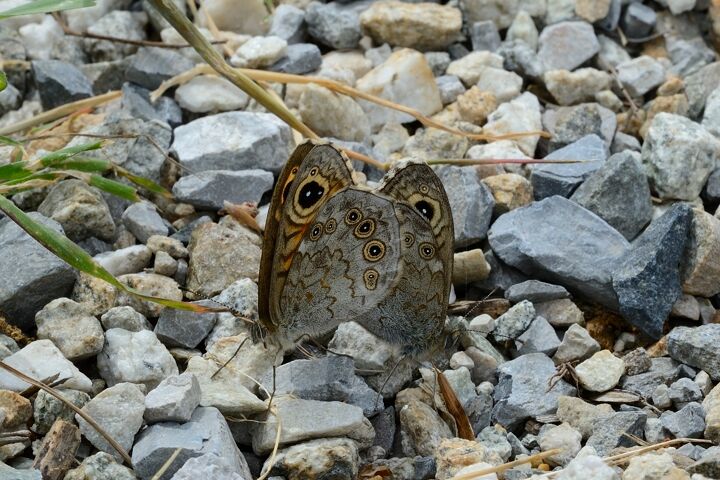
x=314, y=173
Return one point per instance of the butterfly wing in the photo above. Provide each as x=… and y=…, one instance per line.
x=413, y=315
x=346, y=264
x=312, y=175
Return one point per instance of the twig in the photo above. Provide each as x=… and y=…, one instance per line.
x=141, y=43
x=496, y=161
x=620, y=457
x=626, y=94
x=237, y=350
x=262, y=75
x=193, y=36
x=506, y=466
x=61, y=111
x=166, y=465
x=212, y=26
x=72, y=406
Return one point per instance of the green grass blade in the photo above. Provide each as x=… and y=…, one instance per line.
x=143, y=182
x=14, y=171
x=115, y=188
x=61, y=155
x=78, y=258
x=82, y=164
x=31, y=7
x=9, y=141
x=34, y=176
x=3, y=81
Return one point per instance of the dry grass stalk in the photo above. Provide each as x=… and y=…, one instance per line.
x=262, y=75
x=161, y=471
x=72, y=406
x=621, y=458
x=60, y=112
x=506, y=466
x=216, y=61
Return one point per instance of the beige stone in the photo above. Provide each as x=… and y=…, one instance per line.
x=150, y=284
x=521, y=114
x=601, y=372
x=15, y=409
x=470, y=266
x=711, y=405
x=577, y=86
x=475, y=105
x=510, y=191
x=653, y=466
x=580, y=414
x=592, y=10
x=470, y=67
x=455, y=454
x=404, y=78
x=422, y=26
x=219, y=255
x=701, y=275
x=333, y=115
x=246, y=17
x=560, y=313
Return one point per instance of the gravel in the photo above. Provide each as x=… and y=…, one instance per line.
x=586, y=289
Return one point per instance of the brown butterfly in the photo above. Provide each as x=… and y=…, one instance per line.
x=335, y=251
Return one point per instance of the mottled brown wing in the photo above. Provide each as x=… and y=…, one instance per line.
x=345, y=267
x=426, y=257
x=312, y=175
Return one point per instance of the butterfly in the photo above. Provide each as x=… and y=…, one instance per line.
x=336, y=251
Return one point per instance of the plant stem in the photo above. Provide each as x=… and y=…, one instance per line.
x=193, y=36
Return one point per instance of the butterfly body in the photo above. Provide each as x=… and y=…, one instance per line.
x=336, y=251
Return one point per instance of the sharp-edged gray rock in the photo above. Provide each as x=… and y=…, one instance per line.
x=233, y=141
x=558, y=241
x=206, y=432
x=522, y=390
x=471, y=202
x=697, y=347
x=618, y=192
x=151, y=66
x=59, y=83
x=211, y=188
x=563, y=178
x=328, y=378
x=647, y=278
x=27, y=286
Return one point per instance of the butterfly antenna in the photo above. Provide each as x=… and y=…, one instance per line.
x=229, y=307
x=387, y=379
x=435, y=385
x=237, y=350
x=479, y=302
x=272, y=394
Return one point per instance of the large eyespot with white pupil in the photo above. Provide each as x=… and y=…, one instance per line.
x=370, y=277
x=374, y=250
x=426, y=250
x=428, y=207
x=425, y=209
x=310, y=194
x=316, y=231
x=353, y=216
x=330, y=226
x=365, y=228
